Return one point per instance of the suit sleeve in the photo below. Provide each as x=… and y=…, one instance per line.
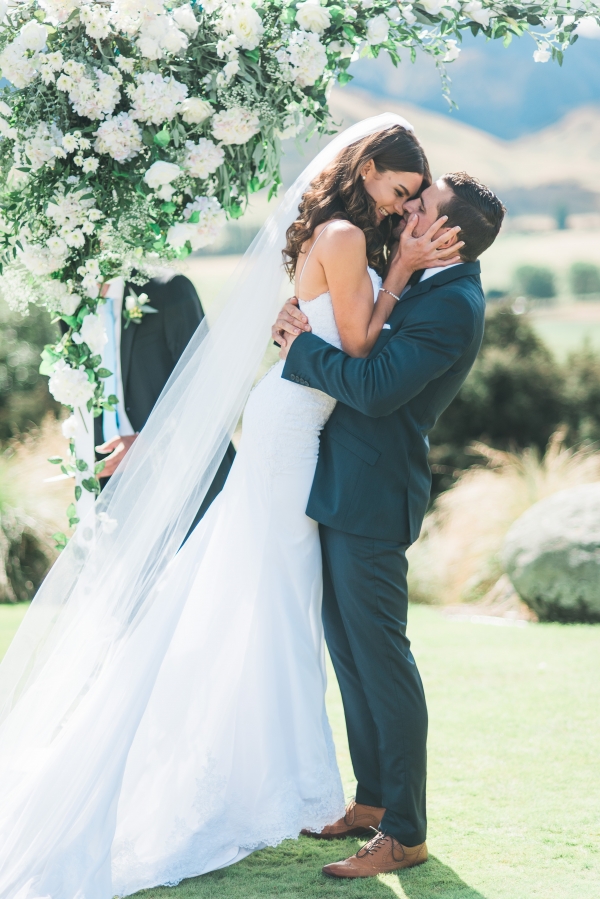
x=432, y=338
x=182, y=316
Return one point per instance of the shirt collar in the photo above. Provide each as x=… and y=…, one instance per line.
x=430, y=272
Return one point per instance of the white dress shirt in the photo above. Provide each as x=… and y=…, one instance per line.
x=118, y=425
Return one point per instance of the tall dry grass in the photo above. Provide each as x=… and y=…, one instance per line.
x=457, y=557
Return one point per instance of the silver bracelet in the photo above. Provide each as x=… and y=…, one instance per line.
x=385, y=290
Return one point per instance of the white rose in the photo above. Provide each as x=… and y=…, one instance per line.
x=149, y=48
x=161, y=173
x=178, y=235
x=70, y=386
x=452, y=51
x=477, y=13
x=70, y=428
x=542, y=55
x=394, y=14
x=92, y=332
x=247, y=26
x=235, y=126
x=174, y=40
x=193, y=110
x=433, y=7
x=185, y=18
x=312, y=17
x=378, y=29
x=33, y=36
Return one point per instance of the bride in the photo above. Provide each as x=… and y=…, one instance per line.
x=162, y=712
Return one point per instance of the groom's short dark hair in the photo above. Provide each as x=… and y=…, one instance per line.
x=476, y=209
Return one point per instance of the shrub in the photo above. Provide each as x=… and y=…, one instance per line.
x=24, y=397
x=536, y=282
x=581, y=389
x=584, y=278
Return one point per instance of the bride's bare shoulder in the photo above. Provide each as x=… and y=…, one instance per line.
x=341, y=236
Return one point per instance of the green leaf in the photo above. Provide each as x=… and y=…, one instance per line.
x=163, y=138
x=254, y=55
x=254, y=184
x=77, y=493
x=55, y=460
x=103, y=373
x=168, y=208
x=344, y=77
x=92, y=485
x=81, y=465
x=73, y=521
x=71, y=510
x=194, y=217
x=98, y=467
x=60, y=539
x=235, y=211
x=113, y=400
x=288, y=15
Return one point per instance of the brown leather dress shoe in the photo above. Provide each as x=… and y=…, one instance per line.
x=381, y=855
x=358, y=820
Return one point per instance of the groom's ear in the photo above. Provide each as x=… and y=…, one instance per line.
x=452, y=237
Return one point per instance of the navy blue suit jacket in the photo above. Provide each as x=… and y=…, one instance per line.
x=372, y=477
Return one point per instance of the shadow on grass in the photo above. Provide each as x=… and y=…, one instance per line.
x=293, y=871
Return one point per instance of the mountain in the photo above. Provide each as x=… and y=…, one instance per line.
x=557, y=166
x=499, y=90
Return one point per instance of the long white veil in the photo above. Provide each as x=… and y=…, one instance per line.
x=77, y=677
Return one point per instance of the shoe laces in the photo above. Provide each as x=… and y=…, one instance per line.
x=379, y=841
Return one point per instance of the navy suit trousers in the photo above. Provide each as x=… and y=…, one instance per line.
x=365, y=603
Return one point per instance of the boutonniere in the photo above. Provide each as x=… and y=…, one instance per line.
x=135, y=308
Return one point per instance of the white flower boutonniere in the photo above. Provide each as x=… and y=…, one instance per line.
x=136, y=307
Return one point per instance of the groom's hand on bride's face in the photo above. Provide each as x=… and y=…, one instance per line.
x=290, y=323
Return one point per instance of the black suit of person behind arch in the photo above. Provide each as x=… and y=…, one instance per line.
x=150, y=351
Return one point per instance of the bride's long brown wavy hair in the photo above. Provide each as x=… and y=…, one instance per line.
x=339, y=192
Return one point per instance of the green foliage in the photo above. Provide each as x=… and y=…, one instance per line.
x=536, y=282
x=24, y=397
x=584, y=278
x=516, y=396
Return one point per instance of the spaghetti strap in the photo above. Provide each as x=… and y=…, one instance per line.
x=310, y=251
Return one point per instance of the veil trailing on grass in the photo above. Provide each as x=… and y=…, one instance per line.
x=78, y=676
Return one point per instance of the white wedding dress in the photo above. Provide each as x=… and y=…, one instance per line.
x=234, y=751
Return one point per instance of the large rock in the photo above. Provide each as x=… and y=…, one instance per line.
x=552, y=555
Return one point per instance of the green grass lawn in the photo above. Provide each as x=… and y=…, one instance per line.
x=514, y=774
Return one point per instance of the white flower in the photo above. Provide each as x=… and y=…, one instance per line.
x=312, y=17
x=125, y=64
x=203, y=158
x=70, y=143
x=378, y=29
x=5, y=109
x=69, y=302
x=193, y=110
x=542, y=54
x=394, y=14
x=33, y=36
x=15, y=66
x=230, y=69
x=245, y=23
x=70, y=386
x=174, y=40
x=39, y=260
x=210, y=219
x=452, y=51
x=476, y=11
x=305, y=56
x=161, y=173
x=156, y=99
x=54, y=60
x=58, y=11
x=96, y=20
x=93, y=98
x=70, y=428
x=7, y=131
x=93, y=333
x=70, y=210
x=344, y=48
x=433, y=7
x=57, y=247
x=235, y=126
x=40, y=146
x=408, y=14
x=90, y=164
x=74, y=238
x=119, y=137
x=185, y=18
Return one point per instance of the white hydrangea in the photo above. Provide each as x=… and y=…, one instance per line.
x=69, y=211
x=92, y=332
x=156, y=99
x=93, y=97
x=203, y=158
x=159, y=36
x=119, y=137
x=15, y=66
x=70, y=386
x=70, y=428
x=378, y=29
x=58, y=11
x=159, y=176
x=193, y=110
x=40, y=260
x=60, y=298
x=235, y=126
x=39, y=147
x=244, y=22
x=185, y=18
x=96, y=19
x=311, y=16
x=304, y=60
x=129, y=16
x=211, y=218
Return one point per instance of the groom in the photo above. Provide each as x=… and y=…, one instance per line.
x=370, y=494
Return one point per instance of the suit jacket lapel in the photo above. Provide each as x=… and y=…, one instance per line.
x=127, y=337
x=450, y=274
